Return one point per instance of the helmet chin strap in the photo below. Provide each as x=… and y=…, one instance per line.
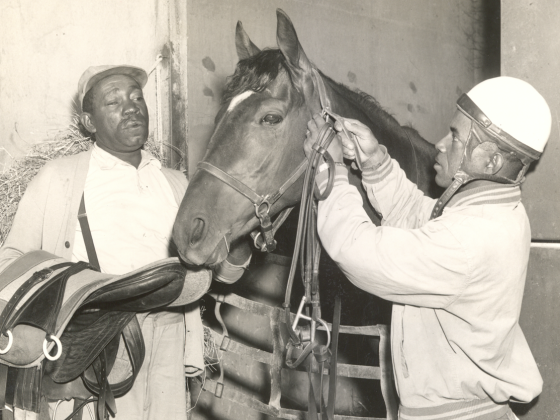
x=460, y=179
x=465, y=175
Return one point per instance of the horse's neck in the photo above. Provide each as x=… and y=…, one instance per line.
x=349, y=104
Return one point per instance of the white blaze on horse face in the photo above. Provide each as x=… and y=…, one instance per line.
x=239, y=98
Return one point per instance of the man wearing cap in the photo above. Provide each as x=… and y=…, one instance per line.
x=131, y=204
x=454, y=267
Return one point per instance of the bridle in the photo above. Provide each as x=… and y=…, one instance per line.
x=302, y=342
x=262, y=203
x=264, y=238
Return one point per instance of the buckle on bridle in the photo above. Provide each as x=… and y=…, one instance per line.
x=262, y=211
x=301, y=315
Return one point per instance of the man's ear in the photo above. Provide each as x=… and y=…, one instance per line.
x=495, y=163
x=86, y=120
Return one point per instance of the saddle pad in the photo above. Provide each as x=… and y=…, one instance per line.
x=162, y=283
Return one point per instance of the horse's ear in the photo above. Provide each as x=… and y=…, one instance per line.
x=244, y=45
x=288, y=43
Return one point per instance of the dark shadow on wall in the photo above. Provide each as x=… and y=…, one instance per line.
x=490, y=48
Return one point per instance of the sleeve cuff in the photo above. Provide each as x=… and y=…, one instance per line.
x=372, y=174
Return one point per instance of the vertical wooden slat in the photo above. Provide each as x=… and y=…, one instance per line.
x=178, y=82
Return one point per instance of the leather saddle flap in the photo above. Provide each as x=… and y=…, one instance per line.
x=162, y=283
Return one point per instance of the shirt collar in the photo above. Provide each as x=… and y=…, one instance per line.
x=107, y=161
x=487, y=194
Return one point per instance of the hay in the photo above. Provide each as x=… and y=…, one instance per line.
x=70, y=141
x=211, y=354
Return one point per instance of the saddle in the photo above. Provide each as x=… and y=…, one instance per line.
x=61, y=324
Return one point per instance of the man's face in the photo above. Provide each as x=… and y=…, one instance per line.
x=119, y=114
x=451, y=149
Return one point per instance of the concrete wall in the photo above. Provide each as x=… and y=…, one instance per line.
x=531, y=51
x=414, y=57
x=47, y=45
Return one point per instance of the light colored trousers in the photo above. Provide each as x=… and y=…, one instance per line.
x=159, y=391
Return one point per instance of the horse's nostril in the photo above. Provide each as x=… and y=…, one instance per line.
x=197, y=232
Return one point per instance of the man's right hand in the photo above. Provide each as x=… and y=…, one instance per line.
x=368, y=146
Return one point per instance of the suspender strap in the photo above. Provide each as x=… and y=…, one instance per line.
x=86, y=233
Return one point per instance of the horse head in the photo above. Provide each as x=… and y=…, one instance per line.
x=258, y=136
x=258, y=139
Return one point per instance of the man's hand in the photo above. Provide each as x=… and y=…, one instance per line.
x=314, y=126
x=368, y=146
x=342, y=145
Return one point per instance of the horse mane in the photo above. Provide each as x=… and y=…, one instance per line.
x=368, y=103
x=258, y=71
x=255, y=73
x=387, y=130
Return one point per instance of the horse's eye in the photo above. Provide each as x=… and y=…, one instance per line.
x=272, y=119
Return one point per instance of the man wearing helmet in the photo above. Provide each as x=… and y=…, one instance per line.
x=454, y=267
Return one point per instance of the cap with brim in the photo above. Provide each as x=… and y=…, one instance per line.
x=95, y=73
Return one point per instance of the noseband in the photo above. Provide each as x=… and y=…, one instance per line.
x=262, y=203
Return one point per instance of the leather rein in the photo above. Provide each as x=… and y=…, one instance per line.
x=302, y=342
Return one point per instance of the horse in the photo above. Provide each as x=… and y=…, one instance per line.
x=258, y=140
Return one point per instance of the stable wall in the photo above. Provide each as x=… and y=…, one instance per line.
x=416, y=58
x=530, y=51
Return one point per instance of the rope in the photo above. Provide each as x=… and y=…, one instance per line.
x=159, y=117
x=159, y=58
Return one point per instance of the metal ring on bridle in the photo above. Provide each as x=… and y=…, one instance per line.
x=256, y=240
x=54, y=338
x=325, y=325
x=10, y=342
x=260, y=214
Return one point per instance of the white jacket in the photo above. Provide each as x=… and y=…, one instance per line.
x=457, y=284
